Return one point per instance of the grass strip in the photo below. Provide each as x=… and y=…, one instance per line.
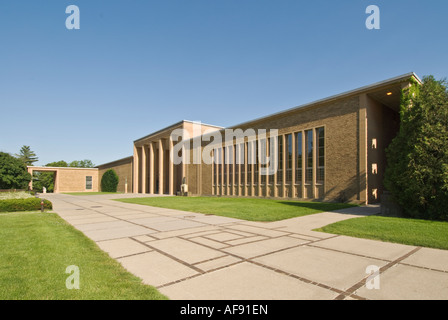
x=241, y=208
x=37, y=248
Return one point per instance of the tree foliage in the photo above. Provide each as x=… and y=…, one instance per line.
x=27, y=156
x=82, y=164
x=109, y=181
x=13, y=173
x=58, y=164
x=417, y=171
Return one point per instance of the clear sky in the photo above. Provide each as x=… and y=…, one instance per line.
x=137, y=66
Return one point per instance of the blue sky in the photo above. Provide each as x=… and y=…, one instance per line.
x=137, y=66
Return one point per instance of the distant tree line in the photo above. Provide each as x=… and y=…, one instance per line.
x=14, y=173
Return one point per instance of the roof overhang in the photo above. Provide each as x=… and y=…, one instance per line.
x=374, y=90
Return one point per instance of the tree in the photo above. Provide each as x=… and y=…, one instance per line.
x=59, y=164
x=82, y=164
x=27, y=156
x=109, y=181
x=13, y=172
x=417, y=171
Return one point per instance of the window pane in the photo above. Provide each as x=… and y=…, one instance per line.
x=309, y=155
x=215, y=166
x=280, y=152
x=219, y=166
x=225, y=154
x=243, y=161
x=280, y=160
x=263, y=151
x=249, y=165
x=268, y=150
x=320, y=154
x=289, y=158
x=231, y=162
x=299, y=157
x=88, y=182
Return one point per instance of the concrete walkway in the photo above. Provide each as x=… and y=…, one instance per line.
x=195, y=256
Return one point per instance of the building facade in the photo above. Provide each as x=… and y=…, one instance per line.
x=68, y=179
x=331, y=150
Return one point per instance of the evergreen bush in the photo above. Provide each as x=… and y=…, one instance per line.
x=109, y=181
x=417, y=158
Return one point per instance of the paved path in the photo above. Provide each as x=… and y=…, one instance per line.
x=195, y=256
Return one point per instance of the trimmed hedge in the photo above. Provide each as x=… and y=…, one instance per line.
x=29, y=204
x=109, y=181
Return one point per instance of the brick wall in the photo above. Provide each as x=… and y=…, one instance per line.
x=123, y=168
x=341, y=121
x=74, y=180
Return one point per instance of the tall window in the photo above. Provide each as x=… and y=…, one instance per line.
x=88, y=182
x=215, y=166
x=242, y=162
x=237, y=163
x=309, y=156
x=249, y=161
x=289, y=158
x=231, y=161
x=263, y=154
x=280, y=160
x=299, y=157
x=320, y=148
x=255, y=161
x=218, y=165
x=225, y=162
x=269, y=150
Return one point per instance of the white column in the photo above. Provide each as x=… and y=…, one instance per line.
x=170, y=168
x=283, y=137
x=144, y=169
x=136, y=174
x=304, y=159
x=161, y=177
x=314, y=164
x=151, y=168
x=293, y=166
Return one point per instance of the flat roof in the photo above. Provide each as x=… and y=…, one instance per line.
x=57, y=168
x=114, y=161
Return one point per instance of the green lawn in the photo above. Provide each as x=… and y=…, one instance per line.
x=241, y=208
x=90, y=193
x=35, y=250
x=433, y=234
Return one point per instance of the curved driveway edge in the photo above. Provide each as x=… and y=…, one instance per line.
x=195, y=256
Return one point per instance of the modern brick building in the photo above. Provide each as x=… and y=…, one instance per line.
x=68, y=179
x=332, y=150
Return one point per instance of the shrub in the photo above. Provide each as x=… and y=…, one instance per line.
x=29, y=204
x=109, y=181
